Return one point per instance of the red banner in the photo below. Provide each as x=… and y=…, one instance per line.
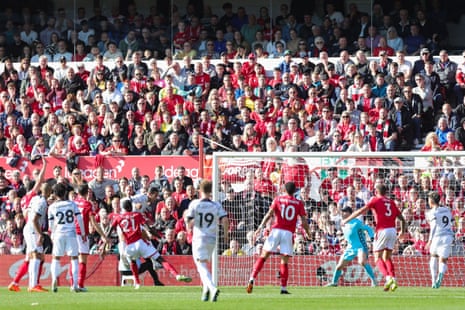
x=115, y=167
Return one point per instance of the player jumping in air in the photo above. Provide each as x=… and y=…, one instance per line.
x=440, y=238
x=286, y=209
x=386, y=212
x=354, y=233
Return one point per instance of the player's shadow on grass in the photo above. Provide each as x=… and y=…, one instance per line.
x=321, y=275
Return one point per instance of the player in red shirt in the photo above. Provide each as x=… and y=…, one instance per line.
x=285, y=209
x=88, y=217
x=138, y=244
x=386, y=212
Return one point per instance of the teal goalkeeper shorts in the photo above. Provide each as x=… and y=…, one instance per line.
x=350, y=254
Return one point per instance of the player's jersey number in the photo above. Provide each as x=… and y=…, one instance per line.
x=65, y=217
x=128, y=225
x=205, y=219
x=445, y=221
x=288, y=212
x=388, y=209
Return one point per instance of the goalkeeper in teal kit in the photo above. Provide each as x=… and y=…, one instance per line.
x=354, y=233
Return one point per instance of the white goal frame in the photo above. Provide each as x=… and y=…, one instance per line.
x=417, y=159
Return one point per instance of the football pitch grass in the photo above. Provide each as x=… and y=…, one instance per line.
x=263, y=297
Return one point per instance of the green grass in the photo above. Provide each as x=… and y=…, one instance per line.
x=345, y=298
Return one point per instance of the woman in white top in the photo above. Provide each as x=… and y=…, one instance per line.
x=357, y=145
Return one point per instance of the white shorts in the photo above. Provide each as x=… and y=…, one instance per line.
x=65, y=245
x=385, y=239
x=279, y=238
x=83, y=247
x=31, y=243
x=441, y=246
x=202, y=249
x=141, y=248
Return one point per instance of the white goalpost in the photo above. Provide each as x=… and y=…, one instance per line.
x=246, y=183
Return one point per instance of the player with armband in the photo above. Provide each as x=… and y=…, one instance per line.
x=354, y=233
x=285, y=209
x=440, y=238
x=136, y=233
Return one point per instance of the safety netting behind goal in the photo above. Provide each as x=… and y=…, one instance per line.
x=246, y=184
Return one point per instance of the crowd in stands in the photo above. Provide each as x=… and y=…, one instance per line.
x=118, y=100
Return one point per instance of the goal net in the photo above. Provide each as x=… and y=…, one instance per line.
x=246, y=184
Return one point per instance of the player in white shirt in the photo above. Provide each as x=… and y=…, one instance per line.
x=36, y=221
x=440, y=239
x=204, y=216
x=35, y=243
x=61, y=220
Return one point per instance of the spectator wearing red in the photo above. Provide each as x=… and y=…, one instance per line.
x=452, y=143
x=383, y=49
x=387, y=129
x=206, y=124
x=431, y=143
x=178, y=193
x=259, y=70
x=35, y=87
x=248, y=67
x=202, y=79
x=276, y=79
x=236, y=74
x=366, y=99
x=326, y=124
x=356, y=89
x=250, y=137
x=354, y=174
x=138, y=82
x=181, y=36
x=55, y=95
x=293, y=101
x=345, y=126
x=78, y=147
x=116, y=148
x=82, y=72
x=337, y=144
x=373, y=113
x=287, y=134
x=171, y=100
x=372, y=138
x=262, y=185
x=225, y=88
x=193, y=29
x=21, y=148
x=295, y=170
x=312, y=101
